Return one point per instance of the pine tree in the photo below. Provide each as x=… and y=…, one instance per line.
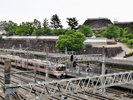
x=55, y=22
x=45, y=23
x=72, y=23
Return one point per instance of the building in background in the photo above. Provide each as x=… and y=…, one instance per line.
x=97, y=23
x=122, y=24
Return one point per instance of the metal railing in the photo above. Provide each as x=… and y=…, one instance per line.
x=75, y=85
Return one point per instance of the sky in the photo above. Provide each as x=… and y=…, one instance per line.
x=27, y=10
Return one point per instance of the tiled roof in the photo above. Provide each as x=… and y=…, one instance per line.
x=97, y=23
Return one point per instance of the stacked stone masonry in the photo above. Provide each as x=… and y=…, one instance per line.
x=41, y=45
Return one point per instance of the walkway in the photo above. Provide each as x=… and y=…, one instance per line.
x=124, y=48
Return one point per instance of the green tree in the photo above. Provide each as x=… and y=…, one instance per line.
x=10, y=28
x=129, y=36
x=42, y=32
x=36, y=23
x=123, y=32
x=130, y=42
x=112, y=31
x=124, y=40
x=45, y=23
x=100, y=32
x=71, y=41
x=58, y=32
x=85, y=30
x=22, y=31
x=55, y=22
x=72, y=23
x=25, y=29
x=69, y=32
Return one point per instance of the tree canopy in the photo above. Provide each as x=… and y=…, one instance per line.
x=120, y=34
x=55, y=22
x=25, y=29
x=42, y=32
x=45, y=23
x=36, y=23
x=73, y=41
x=111, y=31
x=53, y=28
x=85, y=30
x=10, y=28
x=72, y=23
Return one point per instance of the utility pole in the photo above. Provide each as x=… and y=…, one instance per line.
x=27, y=58
x=7, y=77
x=103, y=61
x=66, y=50
x=27, y=52
x=35, y=70
x=20, y=47
x=48, y=64
x=103, y=69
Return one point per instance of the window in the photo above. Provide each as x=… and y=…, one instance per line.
x=30, y=64
x=60, y=68
x=41, y=66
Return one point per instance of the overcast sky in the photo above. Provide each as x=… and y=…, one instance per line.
x=27, y=10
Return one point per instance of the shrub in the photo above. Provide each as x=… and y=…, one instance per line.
x=130, y=42
x=57, y=32
x=124, y=40
x=130, y=53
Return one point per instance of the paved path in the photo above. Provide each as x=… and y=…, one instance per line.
x=124, y=48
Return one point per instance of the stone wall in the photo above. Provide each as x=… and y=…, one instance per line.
x=110, y=51
x=41, y=44
x=32, y=44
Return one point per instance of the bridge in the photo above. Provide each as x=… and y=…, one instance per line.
x=99, y=58
x=80, y=58
x=43, y=89
x=74, y=85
